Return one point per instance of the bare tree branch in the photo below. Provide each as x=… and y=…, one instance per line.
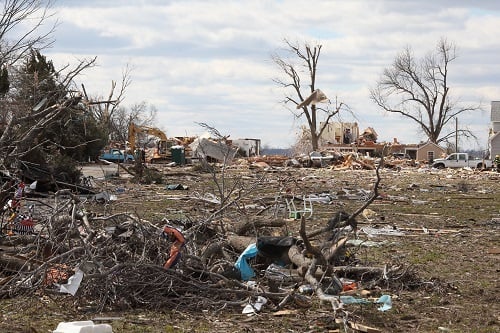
x=14, y=14
x=419, y=90
x=308, y=59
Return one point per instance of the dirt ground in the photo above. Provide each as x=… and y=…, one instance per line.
x=450, y=220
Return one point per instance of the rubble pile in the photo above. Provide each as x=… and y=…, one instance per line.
x=241, y=248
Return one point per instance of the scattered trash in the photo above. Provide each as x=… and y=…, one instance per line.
x=172, y=187
x=356, y=326
x=353, y=300
x=296, y=213
x=365, y=243
x=104, y=197
x=178, y=241
x=306, y=289
x=252, y=285
x=207, y=197
x=368, y=214
x=418, y=202
x=56, y=274
x=278, y=273
x=73, y=283
x=285, y=313
x=348, y=284
x=372, y=232
x=279, y=281
x=120, y=190
x=386, y=302
x=321, y=198
x=253, y=308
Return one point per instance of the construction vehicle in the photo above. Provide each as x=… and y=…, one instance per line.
x=161, y=152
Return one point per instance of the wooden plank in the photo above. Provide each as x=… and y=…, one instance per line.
x=359, y=327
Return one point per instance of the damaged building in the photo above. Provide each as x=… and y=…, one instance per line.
x=366, y=143
x=494, y=139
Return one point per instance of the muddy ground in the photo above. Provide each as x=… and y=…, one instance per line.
x=451, y=243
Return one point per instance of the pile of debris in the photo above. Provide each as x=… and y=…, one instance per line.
x=120, y=261
x=326, y=159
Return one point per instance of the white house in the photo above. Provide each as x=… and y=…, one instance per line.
x=494, y=139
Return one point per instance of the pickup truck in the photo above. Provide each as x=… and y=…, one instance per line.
x=116, y=155
x=461, y=160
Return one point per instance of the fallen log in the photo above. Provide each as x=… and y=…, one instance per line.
x=358, y=270
x=245, y=227
x=296, y=257
x=17, y=240
x=240, y=243
x=14, y=264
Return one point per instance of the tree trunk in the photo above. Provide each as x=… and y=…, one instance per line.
x=314, y=140
x=240, y=243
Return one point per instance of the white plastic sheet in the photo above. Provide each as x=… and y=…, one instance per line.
x=73, y=283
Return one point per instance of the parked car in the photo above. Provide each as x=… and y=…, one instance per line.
x=461, y=160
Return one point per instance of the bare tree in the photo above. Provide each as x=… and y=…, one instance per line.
x=142, y=114
x=14, y=15
x=418, y=89
x=104, y=109
x=305, y=102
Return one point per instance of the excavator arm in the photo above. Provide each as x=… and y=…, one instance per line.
x=132, y=133
x=134, y=130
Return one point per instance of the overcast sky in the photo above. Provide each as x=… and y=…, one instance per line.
x=210, y=61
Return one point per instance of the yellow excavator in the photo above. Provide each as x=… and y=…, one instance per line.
x=162, y=150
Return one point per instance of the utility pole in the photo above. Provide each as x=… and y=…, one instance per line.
x=456, y=135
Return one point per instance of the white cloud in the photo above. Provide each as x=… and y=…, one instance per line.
x=209, y=61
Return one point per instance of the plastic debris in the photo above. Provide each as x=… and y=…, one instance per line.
x=73, y=283
x=176, y=187
x=242, y=265
x=306, y=289
x=372, y=232
x=86, y=326
x=365, y=243
x=253, y=308
x=278, y=273
x=353, y=300
x=386, y=302
x=348, y=284
x=104, y=197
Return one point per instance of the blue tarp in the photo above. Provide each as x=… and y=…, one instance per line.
x=242, y=265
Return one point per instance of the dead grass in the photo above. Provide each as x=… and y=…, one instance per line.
x=454, y=266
